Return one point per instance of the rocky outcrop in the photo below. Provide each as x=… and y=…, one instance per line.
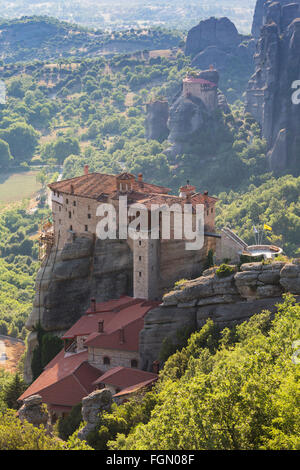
x=219, y=32
x=67, y=281
x=156, y=121
x=217, y=42
x=193, y=124
x=227, y=300
x=34, y=411
x=266, y=11
x=269, y=93
x=92, y=406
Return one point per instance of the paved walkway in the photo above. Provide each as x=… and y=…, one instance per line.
x=3, y=356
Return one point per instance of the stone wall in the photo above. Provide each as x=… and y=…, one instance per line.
x=228, y=301
x=208, y=96
x=117, y=358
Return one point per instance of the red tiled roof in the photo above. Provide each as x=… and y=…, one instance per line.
x=135, y=388
x=65, y=380
x=169, y=200
x=94, y=185
x=124, y=377
x=113, y=340
x=126, y=313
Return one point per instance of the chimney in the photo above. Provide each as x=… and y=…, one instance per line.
x=122, y=336
x=140, y=177
x=93, y=305
x=86, y=169
x=101, y=326
x=72, y=189
x=155, y=367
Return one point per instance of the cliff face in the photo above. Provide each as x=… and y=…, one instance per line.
x=216, y=41
x=266, y=8
x=219, y=32
x=65, y=284
x=269, y=93
x=192, y=123
x=228, y=301
x=156, y=121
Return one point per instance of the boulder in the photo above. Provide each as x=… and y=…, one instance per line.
x=92, y=406
x=34, y=411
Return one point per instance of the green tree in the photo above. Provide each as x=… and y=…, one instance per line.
x=13, y=389
x=5, y=155
x=15, y=435
x=22, y=140
x=236, y=391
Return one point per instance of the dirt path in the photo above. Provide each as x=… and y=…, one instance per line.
x=3, y=356
x=11, y=351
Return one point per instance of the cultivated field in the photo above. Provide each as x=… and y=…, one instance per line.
x=18, y=186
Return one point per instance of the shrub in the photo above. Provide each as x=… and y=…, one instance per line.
x=225, y=270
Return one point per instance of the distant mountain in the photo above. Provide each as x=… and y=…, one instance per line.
x=29, y=38
x=121, y=14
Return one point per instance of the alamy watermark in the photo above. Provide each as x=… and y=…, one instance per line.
x=296, y=93
x=159, y=221
x=2, y=92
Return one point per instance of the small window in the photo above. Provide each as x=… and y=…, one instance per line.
x=106, y=361
x=134, y=363
x=140, y=243
x=71, y=228
x=86, y=228
x=212, y=210
x=67, y=201
x=140, y=274
x=89, y=216
x=140, y=258
x=59, y=221
x=70, y=215
x=59, y=208
x=74, y=203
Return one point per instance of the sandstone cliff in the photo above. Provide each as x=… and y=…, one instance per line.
x=266, y=8
x=156, y=121
x=216, y=41
x=229, y=300
x=70, y=278
x=269, y=93
x=193, y=126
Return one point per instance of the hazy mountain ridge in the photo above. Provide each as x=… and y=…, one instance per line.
x=118, y=14
x=47, y=38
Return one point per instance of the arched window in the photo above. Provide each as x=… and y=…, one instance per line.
x=134, y=363
x=106, y=361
